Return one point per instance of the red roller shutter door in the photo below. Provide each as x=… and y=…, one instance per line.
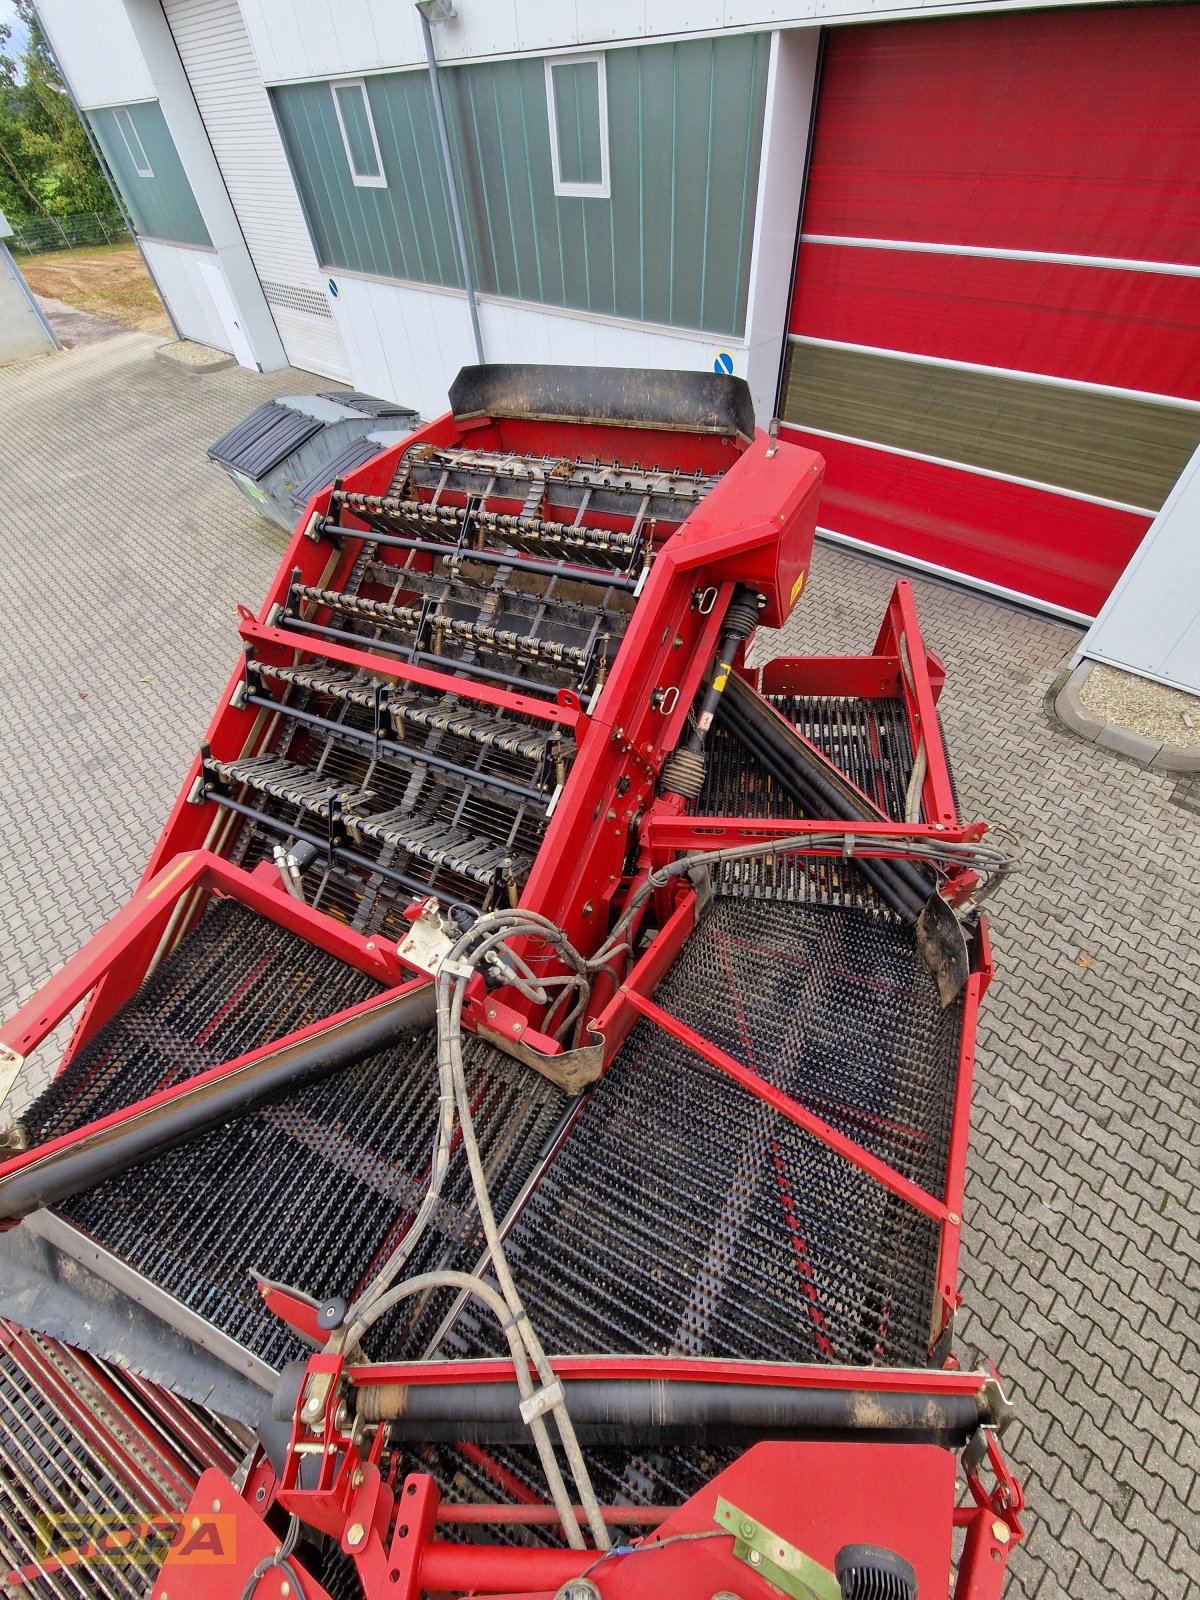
x=918, y=360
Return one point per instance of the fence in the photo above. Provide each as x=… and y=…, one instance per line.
x=84, y=231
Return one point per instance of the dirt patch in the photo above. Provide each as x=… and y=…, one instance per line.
x=110, y=282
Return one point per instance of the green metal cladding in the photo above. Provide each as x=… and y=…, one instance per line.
x=670, y=245
x=161, y=204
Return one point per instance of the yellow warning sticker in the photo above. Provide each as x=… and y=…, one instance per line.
x=796, y=588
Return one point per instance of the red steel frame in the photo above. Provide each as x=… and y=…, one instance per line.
x=144, y=920
x=388, y=1526
x=754, y=526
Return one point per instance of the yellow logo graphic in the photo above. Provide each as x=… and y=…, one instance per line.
x=101, y=1538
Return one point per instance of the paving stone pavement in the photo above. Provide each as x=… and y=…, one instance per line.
x=124, y=556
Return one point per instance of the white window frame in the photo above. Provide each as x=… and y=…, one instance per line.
x=143, y=171
x=360, y=182
x=595, y=191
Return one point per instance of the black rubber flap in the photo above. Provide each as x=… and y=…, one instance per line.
x=630, y=397
x=259, y=442
x=369, y=404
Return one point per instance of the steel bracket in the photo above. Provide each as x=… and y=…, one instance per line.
x=774, y=1559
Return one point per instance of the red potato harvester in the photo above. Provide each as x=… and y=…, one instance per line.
x=527, y=1096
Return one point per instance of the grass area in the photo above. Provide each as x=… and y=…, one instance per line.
x=110, y=281
x=56, y=257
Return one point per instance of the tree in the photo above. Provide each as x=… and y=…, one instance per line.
x=46, y=163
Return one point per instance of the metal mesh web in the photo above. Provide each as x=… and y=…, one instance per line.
x=684, y=1216
x=311, y=1190
x=867, y=739
x=236, y=982
x=136, y=1460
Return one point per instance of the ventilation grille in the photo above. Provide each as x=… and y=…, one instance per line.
x=295, y=298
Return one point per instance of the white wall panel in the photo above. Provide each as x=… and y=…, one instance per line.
x=787, y=116
x=176, y=269
x=98, y=51
x=392, y=351
x=24, y=331
x=408, y=343
x=1150, y=623
x=295, y=39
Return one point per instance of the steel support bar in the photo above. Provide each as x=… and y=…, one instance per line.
x=152, y=904
x=91, y=1131
x=564, y=712
x=546, y=1516
x=601, y=577
x=892, y=1180
x=367, y=740
x=80, y=1159
x=496, y=1569
x=902, y=632
x=960, y=1125
x=513, y=683
x=687, y=834
x=859, y=677
x=681, y=1369
x=618, y=1016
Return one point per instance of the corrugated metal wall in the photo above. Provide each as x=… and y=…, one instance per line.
x=672, y=243
x=401, y=231
x=995, y=329
x=162, y=205
x=216, y=55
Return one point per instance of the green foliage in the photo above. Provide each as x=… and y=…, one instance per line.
x=46, y=163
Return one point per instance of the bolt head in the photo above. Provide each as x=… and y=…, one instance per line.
x=1000, y=1532
x=755, y=1558
x=355, y=1534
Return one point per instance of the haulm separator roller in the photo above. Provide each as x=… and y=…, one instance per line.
x=521, y=972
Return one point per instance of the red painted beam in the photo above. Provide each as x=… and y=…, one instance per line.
x=850, y=1151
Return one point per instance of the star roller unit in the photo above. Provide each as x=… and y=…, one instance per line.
x=527, y=1096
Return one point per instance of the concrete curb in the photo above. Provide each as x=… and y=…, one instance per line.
x=198, y=369
x=1065, y=706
